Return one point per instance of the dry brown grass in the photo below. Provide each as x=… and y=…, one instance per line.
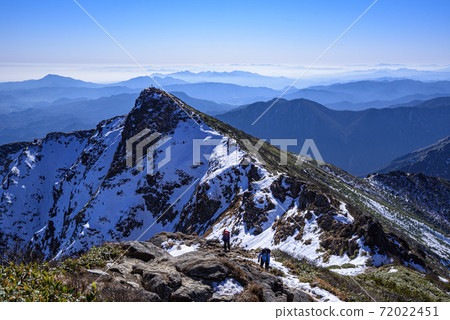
x=235, y=272
x=328, y=287
x=252, y=293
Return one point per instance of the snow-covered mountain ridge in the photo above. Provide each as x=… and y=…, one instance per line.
x=67, y=192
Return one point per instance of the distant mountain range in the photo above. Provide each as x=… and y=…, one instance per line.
x=357, y=141
x=146, y=81
x=50, y=80
x=36, y=122
x=242, y=78
x=433, y=160
x=361, y=95
x=224, y=92
x=68, y=115
x=33, y=108
x=15, y=96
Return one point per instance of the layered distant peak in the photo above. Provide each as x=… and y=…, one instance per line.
x=156, y=110
x=433, y=160
x=429, y=196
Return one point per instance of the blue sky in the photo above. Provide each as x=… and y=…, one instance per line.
x=410, y=32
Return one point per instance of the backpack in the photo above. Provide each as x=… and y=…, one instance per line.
x=265, y=253
x=226, y=234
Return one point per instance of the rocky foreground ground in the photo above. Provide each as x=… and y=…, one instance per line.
x=147, y=272
x=180, y=267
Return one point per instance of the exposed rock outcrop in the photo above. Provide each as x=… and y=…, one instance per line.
x=147, y=272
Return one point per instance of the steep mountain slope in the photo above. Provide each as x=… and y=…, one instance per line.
x=67, y=192
x=359, y=142
x=428, y=196
x=433, y=160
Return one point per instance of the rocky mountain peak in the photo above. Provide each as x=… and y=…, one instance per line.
x=156, y=110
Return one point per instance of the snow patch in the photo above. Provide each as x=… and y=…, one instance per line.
x=350, y=271
x=228, y=287
x=294, y=283
x=344, y=216
x=177, y=248
x=15, y=171
x=392, y=270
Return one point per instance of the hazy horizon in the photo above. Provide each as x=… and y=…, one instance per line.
x=271, y=39
x=114, y=73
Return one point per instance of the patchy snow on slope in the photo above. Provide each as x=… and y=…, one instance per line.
x=293, y=282
x=177, y=248
x=308, y=247
x=443, y=279
x=350, y=271
x=344, y=216
x=15, y=171
x=228, y=287
x=436, y=241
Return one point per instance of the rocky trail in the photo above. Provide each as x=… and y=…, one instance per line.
x=180, y=267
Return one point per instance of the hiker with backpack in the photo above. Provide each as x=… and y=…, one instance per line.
x=264, y=258
x=226, y=240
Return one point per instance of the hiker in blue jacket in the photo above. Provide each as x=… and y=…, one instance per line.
x=264, y=258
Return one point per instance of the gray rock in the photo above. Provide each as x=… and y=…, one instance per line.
x=162, y=283
x=187, y=259
x=98, y=272
x=123, y=294
x=158, y=284
x=149, y=296
x=123, y=268
x=192, y=291
x=144, y=251
x=133, y=284
x=212, y=270
x=222, y=299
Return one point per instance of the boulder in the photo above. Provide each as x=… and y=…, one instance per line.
x=144, y=251
x=157, y=283
x=212, y=270
x=123, y=267
x=192, y=291
x=187, y=259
